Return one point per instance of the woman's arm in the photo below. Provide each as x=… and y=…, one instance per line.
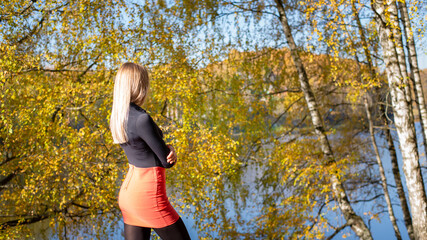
x=147, y=130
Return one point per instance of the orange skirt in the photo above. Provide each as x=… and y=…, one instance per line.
x=143, y=200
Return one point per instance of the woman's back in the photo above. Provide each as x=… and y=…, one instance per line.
x=145, y=146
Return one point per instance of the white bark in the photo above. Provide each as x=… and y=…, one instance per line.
x=398, y=47
x=381, y=169
x=396, y=174
x=403, y=121
x=368, y=107
x=415, y=72
x=392, y=151
x=353, y=220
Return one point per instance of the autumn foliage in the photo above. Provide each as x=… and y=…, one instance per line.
x=227, y=93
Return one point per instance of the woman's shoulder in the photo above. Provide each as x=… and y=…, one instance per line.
x=140, y=114
x=137, y=115
x=137, y=108
x=143, y=121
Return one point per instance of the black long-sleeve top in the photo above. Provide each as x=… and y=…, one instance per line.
x=145, y=146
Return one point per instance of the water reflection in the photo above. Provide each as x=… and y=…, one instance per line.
x=242, y=211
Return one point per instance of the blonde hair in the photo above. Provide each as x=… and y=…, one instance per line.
x=130, y=85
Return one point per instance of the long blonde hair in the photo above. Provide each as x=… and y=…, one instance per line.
x=131, y=84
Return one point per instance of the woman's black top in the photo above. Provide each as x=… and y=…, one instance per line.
x=145, y=146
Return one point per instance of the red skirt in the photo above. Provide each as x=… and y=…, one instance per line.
x=143, y=200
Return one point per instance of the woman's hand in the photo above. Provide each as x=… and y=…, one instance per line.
x=172, y=157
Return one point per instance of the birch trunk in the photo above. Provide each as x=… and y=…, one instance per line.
x=401, y=56
x=403, y=119
x=392, y=150
x=368, y=108
x=396, y=173
x=398, y=47
x=353, y=220
x=415, y=72
x=381, y=169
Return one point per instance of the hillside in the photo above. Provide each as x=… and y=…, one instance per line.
x=423, y=74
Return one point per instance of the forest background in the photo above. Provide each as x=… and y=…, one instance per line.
x=308, y=115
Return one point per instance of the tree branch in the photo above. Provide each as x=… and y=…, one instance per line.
x=337, y=230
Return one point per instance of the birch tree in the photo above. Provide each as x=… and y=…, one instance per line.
x=370, y=80
x=403, y=117
x=237, y=98
x=356, y=222
x=383, y=113
x=413, y=67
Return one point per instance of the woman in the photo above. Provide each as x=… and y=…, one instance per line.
x=142, y=198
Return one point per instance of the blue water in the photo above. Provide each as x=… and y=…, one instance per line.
x=383, y=229
x=380, y=229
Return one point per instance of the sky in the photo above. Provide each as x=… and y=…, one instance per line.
x=421, y=40
x=422, y=60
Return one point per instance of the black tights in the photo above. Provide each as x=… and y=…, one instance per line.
x=176, y=231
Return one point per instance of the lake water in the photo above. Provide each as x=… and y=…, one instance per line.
x=383, y=229
x=380, y=229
